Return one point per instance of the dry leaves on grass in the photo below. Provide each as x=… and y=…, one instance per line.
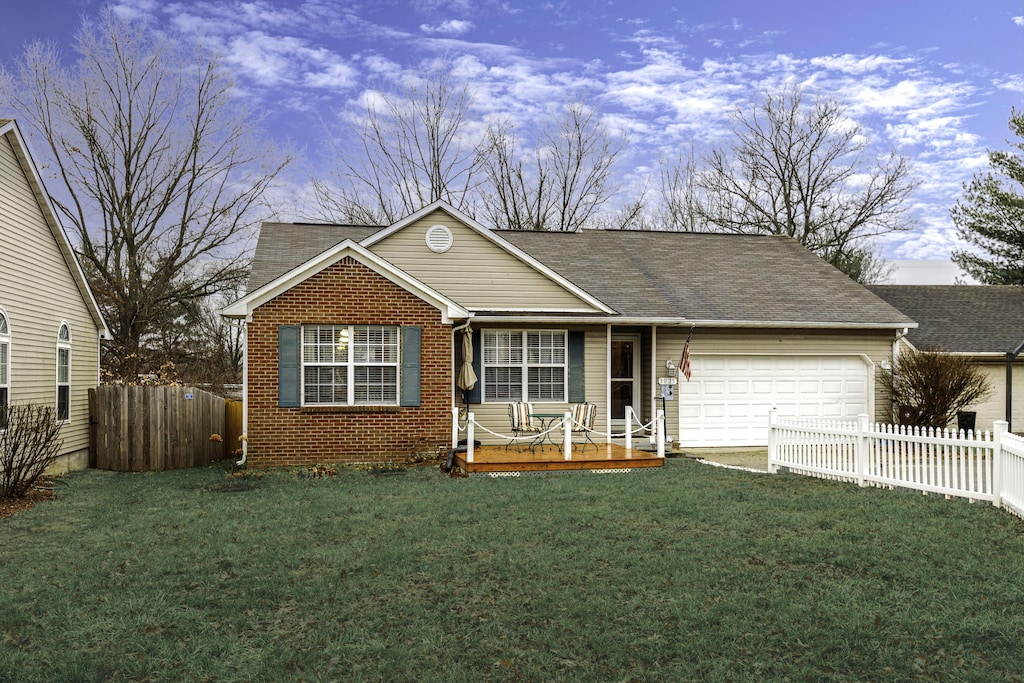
x=42, y=491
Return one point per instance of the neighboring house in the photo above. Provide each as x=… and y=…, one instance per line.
x=982, y=322
x=50, y=325
x=354, y=342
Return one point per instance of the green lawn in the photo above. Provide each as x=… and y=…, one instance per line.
x=686, y=573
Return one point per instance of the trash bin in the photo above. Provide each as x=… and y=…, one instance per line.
x=965, y=420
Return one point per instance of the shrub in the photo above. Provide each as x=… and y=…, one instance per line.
x=927, y=388
x=28, y=445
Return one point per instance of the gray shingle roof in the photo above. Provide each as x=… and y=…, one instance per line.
x=961, y=318
x=284, y=246
x=706, y=276
x=650, y=275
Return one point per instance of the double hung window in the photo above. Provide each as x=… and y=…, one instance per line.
x=525, y=365
x=350, y=364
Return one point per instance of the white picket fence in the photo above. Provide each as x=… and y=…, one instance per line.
x=977, y=466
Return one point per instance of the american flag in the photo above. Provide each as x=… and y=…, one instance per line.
x=684, y=364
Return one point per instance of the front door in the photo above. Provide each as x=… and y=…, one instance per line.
x=625, y=378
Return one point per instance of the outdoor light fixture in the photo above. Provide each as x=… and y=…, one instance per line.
x=670, y=367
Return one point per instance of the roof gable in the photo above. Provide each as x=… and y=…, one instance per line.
x=9, y=131
x=348, y=248
x=477, y=267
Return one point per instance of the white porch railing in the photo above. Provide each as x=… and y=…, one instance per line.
x=980, y=466
x=564, y=424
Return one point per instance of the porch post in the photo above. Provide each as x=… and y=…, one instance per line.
x=608, y=381
x=469, y=436
x=567, y=431
x=629, y=428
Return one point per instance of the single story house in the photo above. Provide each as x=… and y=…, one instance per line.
x=50, y=323
x=982, y=322
x=355, y=334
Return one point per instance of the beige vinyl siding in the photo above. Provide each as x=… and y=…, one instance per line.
x=494, y=416
x=875, y=345
x=475, y=272
x=38, y=292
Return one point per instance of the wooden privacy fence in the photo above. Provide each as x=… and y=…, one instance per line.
x=977, y=466
x=136, y=429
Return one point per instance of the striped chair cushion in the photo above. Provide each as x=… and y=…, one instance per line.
x=583, y=417
x=521, y=417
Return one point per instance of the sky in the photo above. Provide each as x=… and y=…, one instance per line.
x=933, y=80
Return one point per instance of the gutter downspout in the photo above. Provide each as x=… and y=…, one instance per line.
x=1010, y=355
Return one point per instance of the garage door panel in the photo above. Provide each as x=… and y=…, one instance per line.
x=727, y=400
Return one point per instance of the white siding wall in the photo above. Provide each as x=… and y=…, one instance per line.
x=38, y=292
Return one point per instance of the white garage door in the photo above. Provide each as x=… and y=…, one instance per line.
x=727, y=399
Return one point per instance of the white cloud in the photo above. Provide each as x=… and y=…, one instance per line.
x=451, y=27
x=858, y=64
x=1019, y=21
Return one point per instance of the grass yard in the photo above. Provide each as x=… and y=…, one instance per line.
x=688, y=573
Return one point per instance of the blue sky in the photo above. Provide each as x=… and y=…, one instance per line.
x=934, y=80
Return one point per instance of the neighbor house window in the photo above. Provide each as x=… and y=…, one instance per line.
x=64, y=373
x=514, y=359
x=350, y=364
x=5, y=367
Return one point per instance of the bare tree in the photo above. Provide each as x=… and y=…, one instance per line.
x=678, y=209
x=162, y=174
x=29, y=443
x=803, y=171
x=414, y=150
x=561, y=183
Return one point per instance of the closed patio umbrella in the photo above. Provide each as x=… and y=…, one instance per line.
x=467, y=376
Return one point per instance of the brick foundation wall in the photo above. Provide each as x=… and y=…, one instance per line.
x=346, y=293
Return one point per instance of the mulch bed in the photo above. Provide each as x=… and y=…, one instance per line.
x=42, y=491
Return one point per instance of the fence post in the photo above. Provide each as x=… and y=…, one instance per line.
x=1000, y=427
x=629, y=428
x=661, y=433
x=470, y=417
x=862, y=448
x=455, y=426
x=567, y=431
x=772, y=442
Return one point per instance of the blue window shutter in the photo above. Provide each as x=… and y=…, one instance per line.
x=289, y=383
x=411, y=342
x=577, y=387
x=475, y=395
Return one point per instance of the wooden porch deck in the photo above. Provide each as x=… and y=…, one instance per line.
x=550, y=458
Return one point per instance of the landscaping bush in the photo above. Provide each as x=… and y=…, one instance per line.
x=927, y=388
x=28, y=445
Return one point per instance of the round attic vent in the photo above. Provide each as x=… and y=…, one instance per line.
x=439, y=239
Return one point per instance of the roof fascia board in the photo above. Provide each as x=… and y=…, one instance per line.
x=244, y=307
x=472, y=224
x=482, y=317
x=11, y=130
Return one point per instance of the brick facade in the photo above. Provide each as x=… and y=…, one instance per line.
x=346, y=293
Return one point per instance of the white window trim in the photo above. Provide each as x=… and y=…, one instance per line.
x=350, y=364
x=63, y=345
x=526, y=365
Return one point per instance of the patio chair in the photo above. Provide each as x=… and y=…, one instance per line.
x=520, y=422
x=583, y=421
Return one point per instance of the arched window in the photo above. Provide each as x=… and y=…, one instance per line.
x=5, y=367
x=64, y=373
